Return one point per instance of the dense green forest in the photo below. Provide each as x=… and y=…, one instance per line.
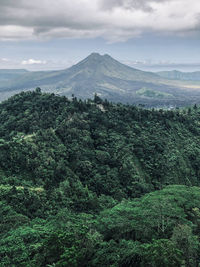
x=91, y=183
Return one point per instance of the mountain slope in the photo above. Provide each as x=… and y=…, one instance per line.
x=108, y=78
x=94, y=67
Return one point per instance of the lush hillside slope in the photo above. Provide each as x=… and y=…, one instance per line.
x=109, y=79
x=90, y=183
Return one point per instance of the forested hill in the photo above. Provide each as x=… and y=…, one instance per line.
x=91, y=183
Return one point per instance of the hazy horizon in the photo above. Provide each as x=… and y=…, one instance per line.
x=141, y=65
x=149, y=35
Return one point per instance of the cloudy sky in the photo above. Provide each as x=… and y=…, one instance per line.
x=49, y=34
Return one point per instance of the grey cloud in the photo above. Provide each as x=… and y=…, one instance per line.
x=45, y=18
x=130, y=4
x=114, y=20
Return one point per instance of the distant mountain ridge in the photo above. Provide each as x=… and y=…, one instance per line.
x=178, y=75
x=105, y=76
x=9, y=74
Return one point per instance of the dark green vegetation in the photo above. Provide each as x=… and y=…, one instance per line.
x=110, y=80
x=91, y=183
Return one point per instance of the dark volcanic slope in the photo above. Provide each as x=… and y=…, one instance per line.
x=108, y=78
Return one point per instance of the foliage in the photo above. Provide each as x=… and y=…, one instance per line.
x=91, y=183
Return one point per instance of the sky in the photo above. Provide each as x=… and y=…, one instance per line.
x=146, y=34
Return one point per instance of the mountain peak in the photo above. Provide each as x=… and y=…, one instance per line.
x=95, y=55
x=95, y=59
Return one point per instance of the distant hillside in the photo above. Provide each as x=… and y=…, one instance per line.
x=9, y=74
x=178, y=75
x=109, y=79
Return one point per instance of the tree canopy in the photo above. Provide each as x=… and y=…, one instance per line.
x=92, y=183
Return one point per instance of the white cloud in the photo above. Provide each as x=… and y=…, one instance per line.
x=4, y=59
x=114, y=20
x=33, y=61
x=15, y=32
x=35, y=64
